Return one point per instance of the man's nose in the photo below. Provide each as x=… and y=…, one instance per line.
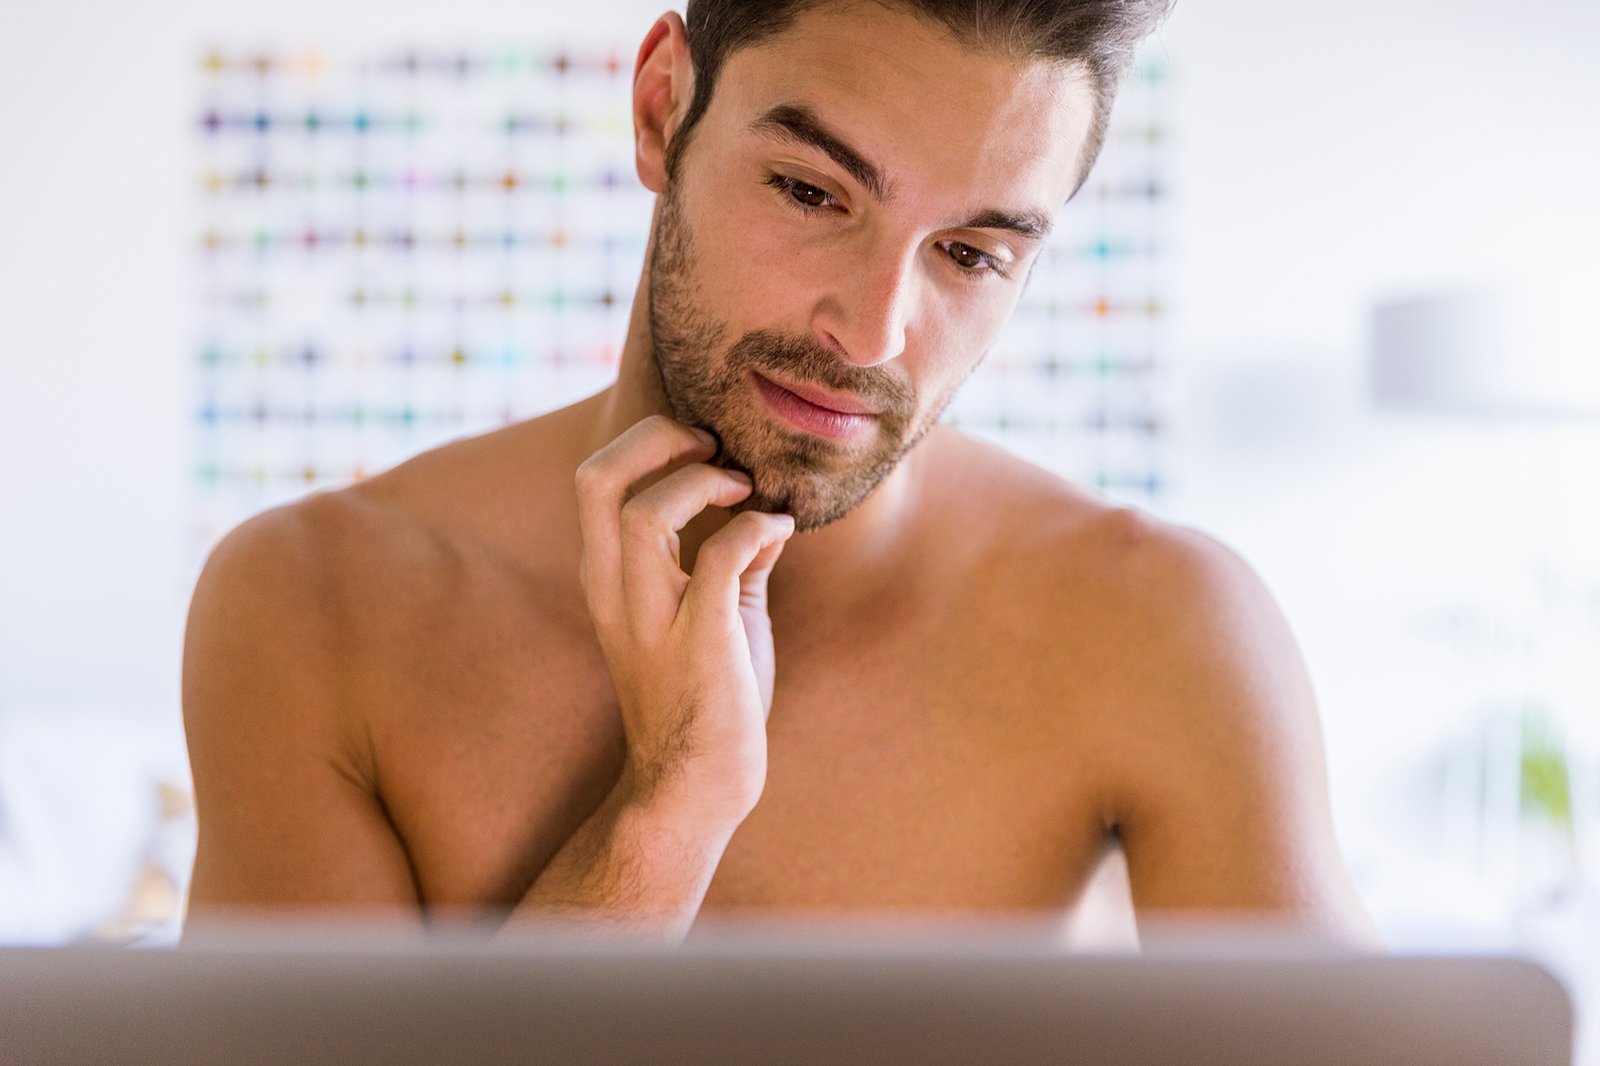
x=865, y=314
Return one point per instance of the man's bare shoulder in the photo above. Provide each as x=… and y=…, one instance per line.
x=299, y=599
x=1042, y=528
x=323, y=552
x=1159, y=650
x=406, y=530
x=459, y=562
x=315, y=628
x=1144, y=606
x=365, y=562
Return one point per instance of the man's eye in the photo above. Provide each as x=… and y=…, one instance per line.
x=972, y=260
x=806, y=197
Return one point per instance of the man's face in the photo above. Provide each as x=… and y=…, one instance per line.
x=853, y=219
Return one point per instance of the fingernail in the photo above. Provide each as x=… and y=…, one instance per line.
x=741, y=475
x=710, y=441
x=788, y=521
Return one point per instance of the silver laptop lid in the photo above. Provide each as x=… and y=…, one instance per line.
x=316, y=996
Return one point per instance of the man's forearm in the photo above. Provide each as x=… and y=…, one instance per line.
x=635, y=868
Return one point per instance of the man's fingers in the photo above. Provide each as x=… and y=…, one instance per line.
x=753, y=581
x=726, y=563
x=604, y=482
x=652, y=579
x=667, y=506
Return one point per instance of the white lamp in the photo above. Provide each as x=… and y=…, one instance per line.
x=1517, y=354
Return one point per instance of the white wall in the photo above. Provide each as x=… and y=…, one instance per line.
x=1332, y=151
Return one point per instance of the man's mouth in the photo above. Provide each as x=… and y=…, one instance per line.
x=814, y=410
x=843, y=403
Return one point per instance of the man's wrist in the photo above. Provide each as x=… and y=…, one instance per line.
x=640, y=866
x=668, y=802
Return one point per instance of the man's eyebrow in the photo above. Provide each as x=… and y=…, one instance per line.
x=798, y=123
x=1031, y=225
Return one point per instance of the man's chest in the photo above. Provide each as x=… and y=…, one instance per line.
x=904, y=774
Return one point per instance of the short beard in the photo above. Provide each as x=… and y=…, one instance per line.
x=815, y=480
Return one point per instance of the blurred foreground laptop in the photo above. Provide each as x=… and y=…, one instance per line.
x=302, y=995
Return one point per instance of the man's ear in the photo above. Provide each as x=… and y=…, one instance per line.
x=663, y=86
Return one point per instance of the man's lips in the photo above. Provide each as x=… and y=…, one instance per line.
x=812, y=417
x=828, y=401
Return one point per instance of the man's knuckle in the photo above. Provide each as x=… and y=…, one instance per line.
x=638, y=516
x=720, y=551
x=590, y=476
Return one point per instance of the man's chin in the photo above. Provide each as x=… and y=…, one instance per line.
x=808, y=515
x=816, y=481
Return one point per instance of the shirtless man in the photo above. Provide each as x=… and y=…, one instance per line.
x=607, y=667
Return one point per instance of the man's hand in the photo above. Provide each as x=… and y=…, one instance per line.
x=691, y=658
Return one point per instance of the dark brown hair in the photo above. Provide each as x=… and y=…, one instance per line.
x=1101, y=34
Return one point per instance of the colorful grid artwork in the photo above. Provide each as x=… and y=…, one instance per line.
x=397, y=247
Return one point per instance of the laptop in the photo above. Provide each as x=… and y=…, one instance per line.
x=306, y=994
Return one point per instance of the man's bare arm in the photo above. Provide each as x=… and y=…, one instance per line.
x=288, y=819
x=1223, y=808
x=635, y=868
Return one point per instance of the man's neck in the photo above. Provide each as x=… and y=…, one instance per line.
x=845, y=562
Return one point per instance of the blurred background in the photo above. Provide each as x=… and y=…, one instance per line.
x=1330, y=296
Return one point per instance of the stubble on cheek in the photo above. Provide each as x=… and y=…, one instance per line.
x=681, y=336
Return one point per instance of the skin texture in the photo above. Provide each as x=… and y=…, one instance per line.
x=410, y=695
